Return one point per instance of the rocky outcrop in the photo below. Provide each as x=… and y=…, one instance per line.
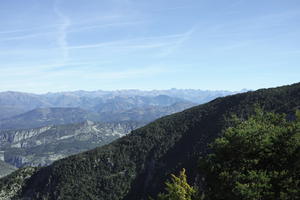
x=42, y=146
x=16, y=138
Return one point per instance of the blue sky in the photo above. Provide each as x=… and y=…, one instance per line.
x=63, y=45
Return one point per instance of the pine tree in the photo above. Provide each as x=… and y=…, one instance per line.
x=178, y=188
x=256, y=159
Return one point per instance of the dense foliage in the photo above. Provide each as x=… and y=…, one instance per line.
x=178, y=188
x=136, y=166
x=255, y=159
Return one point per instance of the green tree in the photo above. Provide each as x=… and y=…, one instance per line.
x=255, y=159
x=298, y=115
x=178, y=188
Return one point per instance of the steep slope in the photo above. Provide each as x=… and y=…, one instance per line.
x=47, y=116
x=6, y=168
x=136, y=165
x=42, y=146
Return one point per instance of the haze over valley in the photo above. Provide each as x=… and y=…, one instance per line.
x=37, y=129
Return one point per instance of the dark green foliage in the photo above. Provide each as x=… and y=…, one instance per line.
x=256, y=159
x=10, y=185
x=136, y=166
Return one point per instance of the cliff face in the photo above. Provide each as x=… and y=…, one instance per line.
x=17, y=138
x=42, y=146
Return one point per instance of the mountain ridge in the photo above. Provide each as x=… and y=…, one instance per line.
x=136, y=165
x=40, y=117
x=16, y=108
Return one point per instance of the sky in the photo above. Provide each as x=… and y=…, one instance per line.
x=67, y=45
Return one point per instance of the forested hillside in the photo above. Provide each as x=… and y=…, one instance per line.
x=255, y=158
x=136, y=166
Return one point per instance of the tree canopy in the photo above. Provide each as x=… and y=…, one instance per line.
x=258, y=158
x=178, y=188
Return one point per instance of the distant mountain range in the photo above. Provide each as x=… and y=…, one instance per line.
x=36, y=130
x=24, y=110
x=137, y=165
x=40, y=117
x=42, y=146
x=56, y=116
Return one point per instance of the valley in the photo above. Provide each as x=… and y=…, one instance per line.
x=83, y=121
x=136, y=165
x=42, y=146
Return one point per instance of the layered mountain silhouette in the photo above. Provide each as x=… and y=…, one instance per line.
x=47, y=116
x=16, y=103
x=135, y=166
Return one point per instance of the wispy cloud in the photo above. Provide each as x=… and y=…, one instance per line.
x=178, y=43
x=25, y=69
x=39, y=28
x=123, y=44
x=80, y=27
x=24, y=37
x=64, y=28
x=127, y=74
x=106, y=74
x=171, y=42
x=62, y=31
x=164, y=43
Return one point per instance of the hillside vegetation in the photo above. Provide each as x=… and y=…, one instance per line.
x=137, y=165
x=255, y=159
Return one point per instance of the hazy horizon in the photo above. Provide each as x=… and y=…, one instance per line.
x=132, y=89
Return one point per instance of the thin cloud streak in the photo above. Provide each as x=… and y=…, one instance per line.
x=166, y=42
x=62, y=31
x=80, y=24
x=104, y=75
x=101, y=26
x=181, y=40
x=21, y=69
x=24, y=37
x=148, y=42
x=64, y=28
x=29, y=29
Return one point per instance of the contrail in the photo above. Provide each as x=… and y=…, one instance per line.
x=62, y=31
